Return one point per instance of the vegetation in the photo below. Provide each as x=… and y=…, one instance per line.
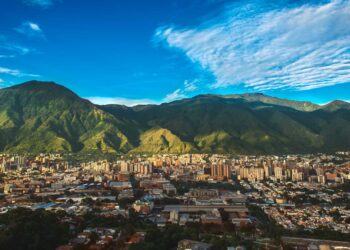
x=321, y=232
x=168, y=237
x=46, y=117
x=274, y=231
x=183, y=187
x=24, y=229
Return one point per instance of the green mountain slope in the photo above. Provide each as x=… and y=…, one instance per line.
x=46, y=117
x=160, y=140
x=269, y=100
x=222, y=124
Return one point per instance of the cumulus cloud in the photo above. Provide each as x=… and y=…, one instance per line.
x=40, y=3
x=119, y=100
x=30, y=29
x=268, y=47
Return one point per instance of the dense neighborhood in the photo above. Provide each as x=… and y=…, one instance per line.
x=200, y=201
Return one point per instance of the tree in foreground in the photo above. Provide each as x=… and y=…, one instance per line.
x=26, y=229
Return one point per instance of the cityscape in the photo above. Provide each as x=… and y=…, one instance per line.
x=194, y=201
x=175, y=125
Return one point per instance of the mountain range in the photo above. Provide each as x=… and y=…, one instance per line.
x=47, y=117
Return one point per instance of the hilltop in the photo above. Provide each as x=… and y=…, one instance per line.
x=47, y=117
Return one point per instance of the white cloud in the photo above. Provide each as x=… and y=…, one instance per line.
x=300, y=47
x=9, y=49
x=16, y=72
x=30, y=29
x=40, y=3
x=176, y=95
x=2, y=83
x=191, y=85
x=13, y=72
x=119, y=100
x=180, y=93
x=34, y=26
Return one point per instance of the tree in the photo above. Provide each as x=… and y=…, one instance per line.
x=28, y=230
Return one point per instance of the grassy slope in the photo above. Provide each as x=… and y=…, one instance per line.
x=39, y=117
x=215, y=124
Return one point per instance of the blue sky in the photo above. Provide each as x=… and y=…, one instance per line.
x=135, y=52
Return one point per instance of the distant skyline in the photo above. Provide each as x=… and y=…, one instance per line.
x=140, y=52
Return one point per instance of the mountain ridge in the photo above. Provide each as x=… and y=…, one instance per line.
x=310, y=106
x=46, y=117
